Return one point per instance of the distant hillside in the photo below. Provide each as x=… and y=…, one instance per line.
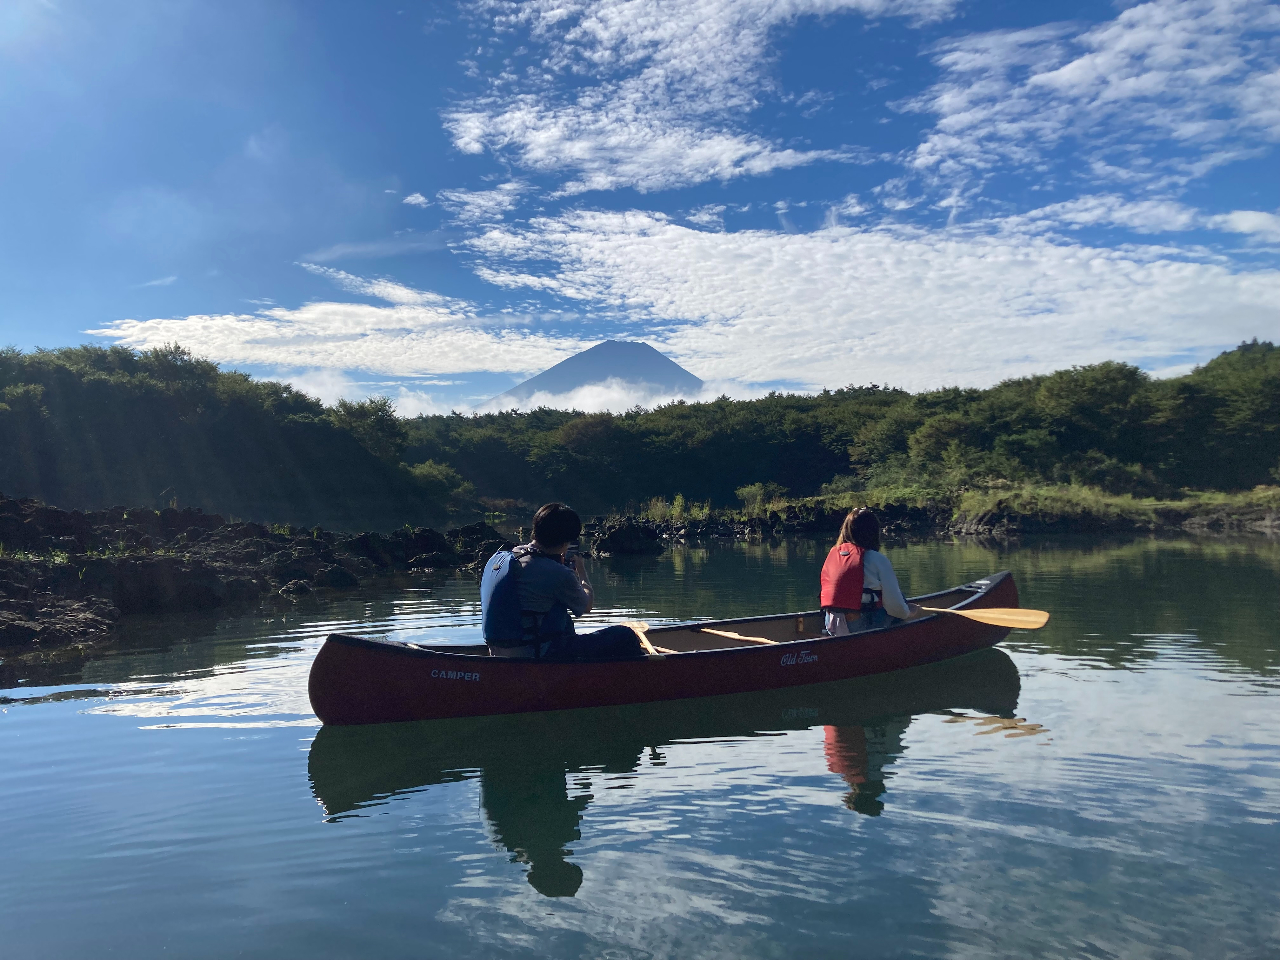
x=635, y=364
x=89, y=428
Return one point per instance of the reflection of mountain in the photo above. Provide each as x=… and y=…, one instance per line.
x=522, y=761
x=635, y=364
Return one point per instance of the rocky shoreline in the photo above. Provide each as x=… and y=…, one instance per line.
x=67, y=577
x=907, y=521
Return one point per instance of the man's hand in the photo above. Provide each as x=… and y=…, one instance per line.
x=580, y=568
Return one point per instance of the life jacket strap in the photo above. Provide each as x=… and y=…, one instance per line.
x=872, y=600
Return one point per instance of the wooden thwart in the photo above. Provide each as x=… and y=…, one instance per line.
x=734, y=636
x=639, y=626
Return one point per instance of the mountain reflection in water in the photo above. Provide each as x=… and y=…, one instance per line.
x=523, y=761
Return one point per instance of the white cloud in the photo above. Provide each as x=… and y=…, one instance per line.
x=904, y=306
x=402, y=341
x=325, y=384
x=666, y=84
x=419, y=403
x=618, y=396
x=1264, y=226
x=850, y=206
x=421, y=333
x=1140, y=216
x=160, y=282
x=376, y=249
x=390, y=291
x=710, y=215
x=416, y=200
x=1162, y=94
x=471, y=207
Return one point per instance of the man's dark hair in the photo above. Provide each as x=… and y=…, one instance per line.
x=862, y=527
x=554, y=524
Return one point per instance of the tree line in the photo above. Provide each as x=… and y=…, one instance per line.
x=1109, y=425
x=92, y=427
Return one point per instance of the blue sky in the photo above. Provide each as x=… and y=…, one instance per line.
x=436, y=200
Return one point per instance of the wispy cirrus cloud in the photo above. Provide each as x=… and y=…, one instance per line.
x=377, y=249
x=1137, y=216
x=472, y=207
x=644, y=93
x=1162, y=94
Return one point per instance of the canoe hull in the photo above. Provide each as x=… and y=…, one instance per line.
x=355, y=680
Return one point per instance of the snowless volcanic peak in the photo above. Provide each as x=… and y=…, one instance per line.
x=631, y=363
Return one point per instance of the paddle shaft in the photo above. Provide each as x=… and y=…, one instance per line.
x=1016, y=618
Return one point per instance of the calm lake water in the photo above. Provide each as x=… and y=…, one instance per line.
x=1106, y=787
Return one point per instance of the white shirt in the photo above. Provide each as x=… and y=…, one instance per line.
x=877, y=574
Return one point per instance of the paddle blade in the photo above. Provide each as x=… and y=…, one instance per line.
x=1016, y=618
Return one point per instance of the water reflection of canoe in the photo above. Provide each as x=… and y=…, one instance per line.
x=522, y=762
x=356, y=680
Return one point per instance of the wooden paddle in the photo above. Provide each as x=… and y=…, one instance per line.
x=1015, y=617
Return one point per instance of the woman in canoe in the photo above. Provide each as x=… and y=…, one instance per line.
x=859, y=589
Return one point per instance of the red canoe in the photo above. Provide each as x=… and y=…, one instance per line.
x=357, y=680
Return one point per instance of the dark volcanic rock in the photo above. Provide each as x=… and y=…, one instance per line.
x=66, y=577
x=334, y=578
x=626, y=537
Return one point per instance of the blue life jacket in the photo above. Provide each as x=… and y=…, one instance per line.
x=502, y=622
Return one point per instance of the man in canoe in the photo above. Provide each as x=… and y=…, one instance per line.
x=859, y=589
x=530, y=595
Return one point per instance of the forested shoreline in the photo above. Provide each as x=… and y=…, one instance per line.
x=91, y=427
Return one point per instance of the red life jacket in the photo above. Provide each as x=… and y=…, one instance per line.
x=842, y=578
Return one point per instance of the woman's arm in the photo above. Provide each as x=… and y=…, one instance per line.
x=895, y=604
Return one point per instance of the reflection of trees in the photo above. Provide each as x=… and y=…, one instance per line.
x=523, y=762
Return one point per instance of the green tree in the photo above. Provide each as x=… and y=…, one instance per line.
x=374, y=423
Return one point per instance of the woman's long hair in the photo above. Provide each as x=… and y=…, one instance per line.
x=862, y=528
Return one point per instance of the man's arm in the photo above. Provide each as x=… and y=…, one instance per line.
x=572, y=588
x=580, y=570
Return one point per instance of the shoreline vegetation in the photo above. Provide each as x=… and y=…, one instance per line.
x=333, y=494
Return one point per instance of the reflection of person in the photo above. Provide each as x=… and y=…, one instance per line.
x=860, y=756
x=859, y=588
x=549, y=592
x=533, y=817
